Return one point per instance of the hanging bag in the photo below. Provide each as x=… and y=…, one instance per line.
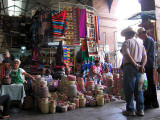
x=143, y=83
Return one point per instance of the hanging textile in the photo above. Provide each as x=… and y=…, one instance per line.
x=101, y=55
x=44, y=23
x=97, y=32
x=65, y=53
x=34, y=27
x=92, y=47
x=59, y=23
x=84, y=50
x=82, y=26
x=90, y=24
x=76, y=23
x=70, y=32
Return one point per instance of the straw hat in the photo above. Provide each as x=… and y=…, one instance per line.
x=127, y=30
x=140, y=30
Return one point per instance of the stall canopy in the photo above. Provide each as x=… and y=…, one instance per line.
x=144, y=15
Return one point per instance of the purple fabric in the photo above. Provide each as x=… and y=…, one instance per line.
x=82, y=27
x=98, y=27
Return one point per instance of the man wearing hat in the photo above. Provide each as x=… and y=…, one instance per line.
x=150, y=96
x=134, y=60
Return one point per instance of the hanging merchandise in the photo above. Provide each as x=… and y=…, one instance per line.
x=90, y=15
x=44, y=28
x=92, y=47
x=90, y=24
x=97, y=29
x=76, y=23
x=101, y=55
x=34, y=27
x=59, y=23
x=82, y=26
x=91, y=41
x=70, y=33
x=65, y=53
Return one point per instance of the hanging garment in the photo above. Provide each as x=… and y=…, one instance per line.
x=84, y=51
x=101, y=55
x=59, y=23
x=82, y=26
x=35, y=55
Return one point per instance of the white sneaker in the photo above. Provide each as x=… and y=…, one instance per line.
x=140, y=113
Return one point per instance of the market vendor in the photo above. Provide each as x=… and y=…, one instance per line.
x=94, y=72
x=18, y=74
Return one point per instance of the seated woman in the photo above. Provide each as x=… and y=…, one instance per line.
x=18, y=74
x=94, y=72
x=108, y=77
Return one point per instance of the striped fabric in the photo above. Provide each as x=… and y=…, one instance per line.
x=59, y=23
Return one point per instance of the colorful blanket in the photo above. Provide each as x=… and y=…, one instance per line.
x=59, y=23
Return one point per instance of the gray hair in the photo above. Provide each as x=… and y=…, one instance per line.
x=7, y=54
x=17, y=60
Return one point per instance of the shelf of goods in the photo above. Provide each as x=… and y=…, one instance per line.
x=72, y=61
x=48, y=55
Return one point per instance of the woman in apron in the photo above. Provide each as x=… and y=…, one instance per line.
x=18, y=74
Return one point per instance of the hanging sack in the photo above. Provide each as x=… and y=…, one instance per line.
x=143, y=83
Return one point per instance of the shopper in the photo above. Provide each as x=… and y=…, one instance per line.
x=150, y=95
x=134, y=58
x=18, y=74
x=5, y=102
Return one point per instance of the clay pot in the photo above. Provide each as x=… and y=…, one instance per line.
x=6, y=80
x=43, y=92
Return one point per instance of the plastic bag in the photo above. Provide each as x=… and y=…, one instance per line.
x=143, y=83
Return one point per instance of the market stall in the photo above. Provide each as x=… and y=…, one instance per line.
x=65, y=44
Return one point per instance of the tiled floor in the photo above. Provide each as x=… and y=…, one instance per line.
x=110, y=111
